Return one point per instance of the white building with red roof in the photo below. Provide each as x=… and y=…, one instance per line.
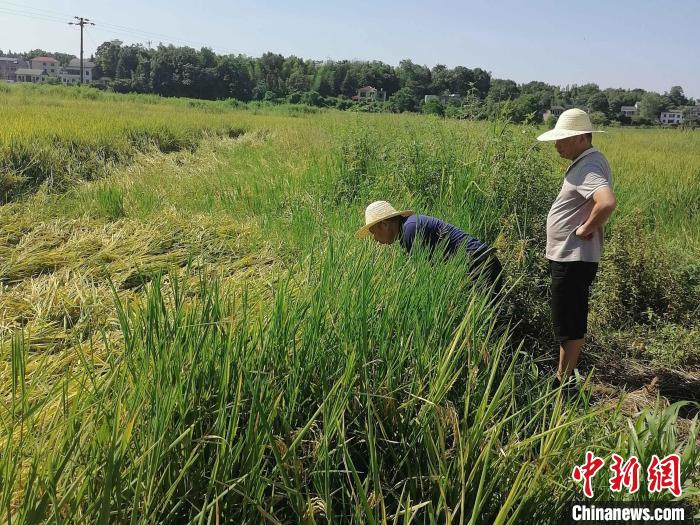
x=48, y=64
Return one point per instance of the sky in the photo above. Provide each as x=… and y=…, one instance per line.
x=620, y=43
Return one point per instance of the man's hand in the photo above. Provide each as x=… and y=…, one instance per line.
x=583, y=233
x=603, y=205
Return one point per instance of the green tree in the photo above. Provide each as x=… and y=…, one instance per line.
x=350, y=83
x=403, y=100
x=259, y=90
x=414, y=77
x=127, y=62
x=107, y=56
x=650, y=106
x=526, y=108
x=677, y=97
x=598, y=102
x=544, y=93
x=297, y=81
x=481, y=82
x=175, y=71
x=324, y=81
x=578, y=95
x=141, y=78
x=234, y=78
x=379, y=75
x=502, y=89
x=271, y=66
x=462, y=81
x=441, y=80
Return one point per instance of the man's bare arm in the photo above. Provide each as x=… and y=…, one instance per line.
x=603, y=205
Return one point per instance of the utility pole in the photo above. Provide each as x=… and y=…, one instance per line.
x=82, y=22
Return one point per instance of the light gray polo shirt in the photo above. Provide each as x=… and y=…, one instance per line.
x=572, y=207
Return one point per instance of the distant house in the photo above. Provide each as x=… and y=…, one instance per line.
x=556, y=111
x=43, y=68
x=671, y=116
x=71, y=73
x=69, y=78
x=629, y=111
x=9, y=67
x=553, y=111
x=692, y=112
x=48, y=64
x=102, y=81
x=369, y=93
x=35, y=76
x=445, y=99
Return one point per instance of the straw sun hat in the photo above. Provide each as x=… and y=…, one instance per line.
x=569, y=124
x=377, y=212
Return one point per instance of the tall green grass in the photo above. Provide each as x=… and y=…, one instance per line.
x=375, y=392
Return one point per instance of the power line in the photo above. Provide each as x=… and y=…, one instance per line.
x=90, y=39
x=36, y=16
x=120, y=30
x=40, y=10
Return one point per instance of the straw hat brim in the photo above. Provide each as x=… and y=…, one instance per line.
x=559, y=134
x=362, y=232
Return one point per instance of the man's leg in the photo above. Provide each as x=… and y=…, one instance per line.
x=569, y=352
x=579, y=277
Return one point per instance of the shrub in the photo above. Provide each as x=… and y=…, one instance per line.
x=598, y=118
x=312, y=98
x=433, y=107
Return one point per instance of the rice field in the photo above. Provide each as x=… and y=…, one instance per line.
x=190, y=333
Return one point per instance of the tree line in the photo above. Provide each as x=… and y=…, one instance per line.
x=186, y=72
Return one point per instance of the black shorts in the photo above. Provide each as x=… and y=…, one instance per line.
x=570, y=290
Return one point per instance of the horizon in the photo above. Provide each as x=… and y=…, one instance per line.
x=522, y=56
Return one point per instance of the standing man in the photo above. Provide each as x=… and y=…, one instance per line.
x=388, y=225
x=575, y=231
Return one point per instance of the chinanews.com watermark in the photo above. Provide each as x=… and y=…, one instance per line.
x=660, y=475
x=617, y=512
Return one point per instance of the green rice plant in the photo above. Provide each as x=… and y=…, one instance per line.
x=361, y=394
x=190, y=327
x=81, y=139
x=110, y=201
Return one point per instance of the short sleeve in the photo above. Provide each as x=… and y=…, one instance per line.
x=590, y=183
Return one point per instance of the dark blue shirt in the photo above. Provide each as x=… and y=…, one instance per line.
x=434, y=233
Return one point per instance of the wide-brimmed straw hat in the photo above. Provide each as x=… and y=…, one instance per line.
x=570, y=123
x=377, y=212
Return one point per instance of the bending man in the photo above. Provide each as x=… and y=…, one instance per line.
x=388, y=225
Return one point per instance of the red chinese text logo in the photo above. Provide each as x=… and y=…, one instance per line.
x=662, y=474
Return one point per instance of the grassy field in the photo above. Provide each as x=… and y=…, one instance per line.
x=189, y=331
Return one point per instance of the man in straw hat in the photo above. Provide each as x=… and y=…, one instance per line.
x=575, y=231
x=386, y=224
